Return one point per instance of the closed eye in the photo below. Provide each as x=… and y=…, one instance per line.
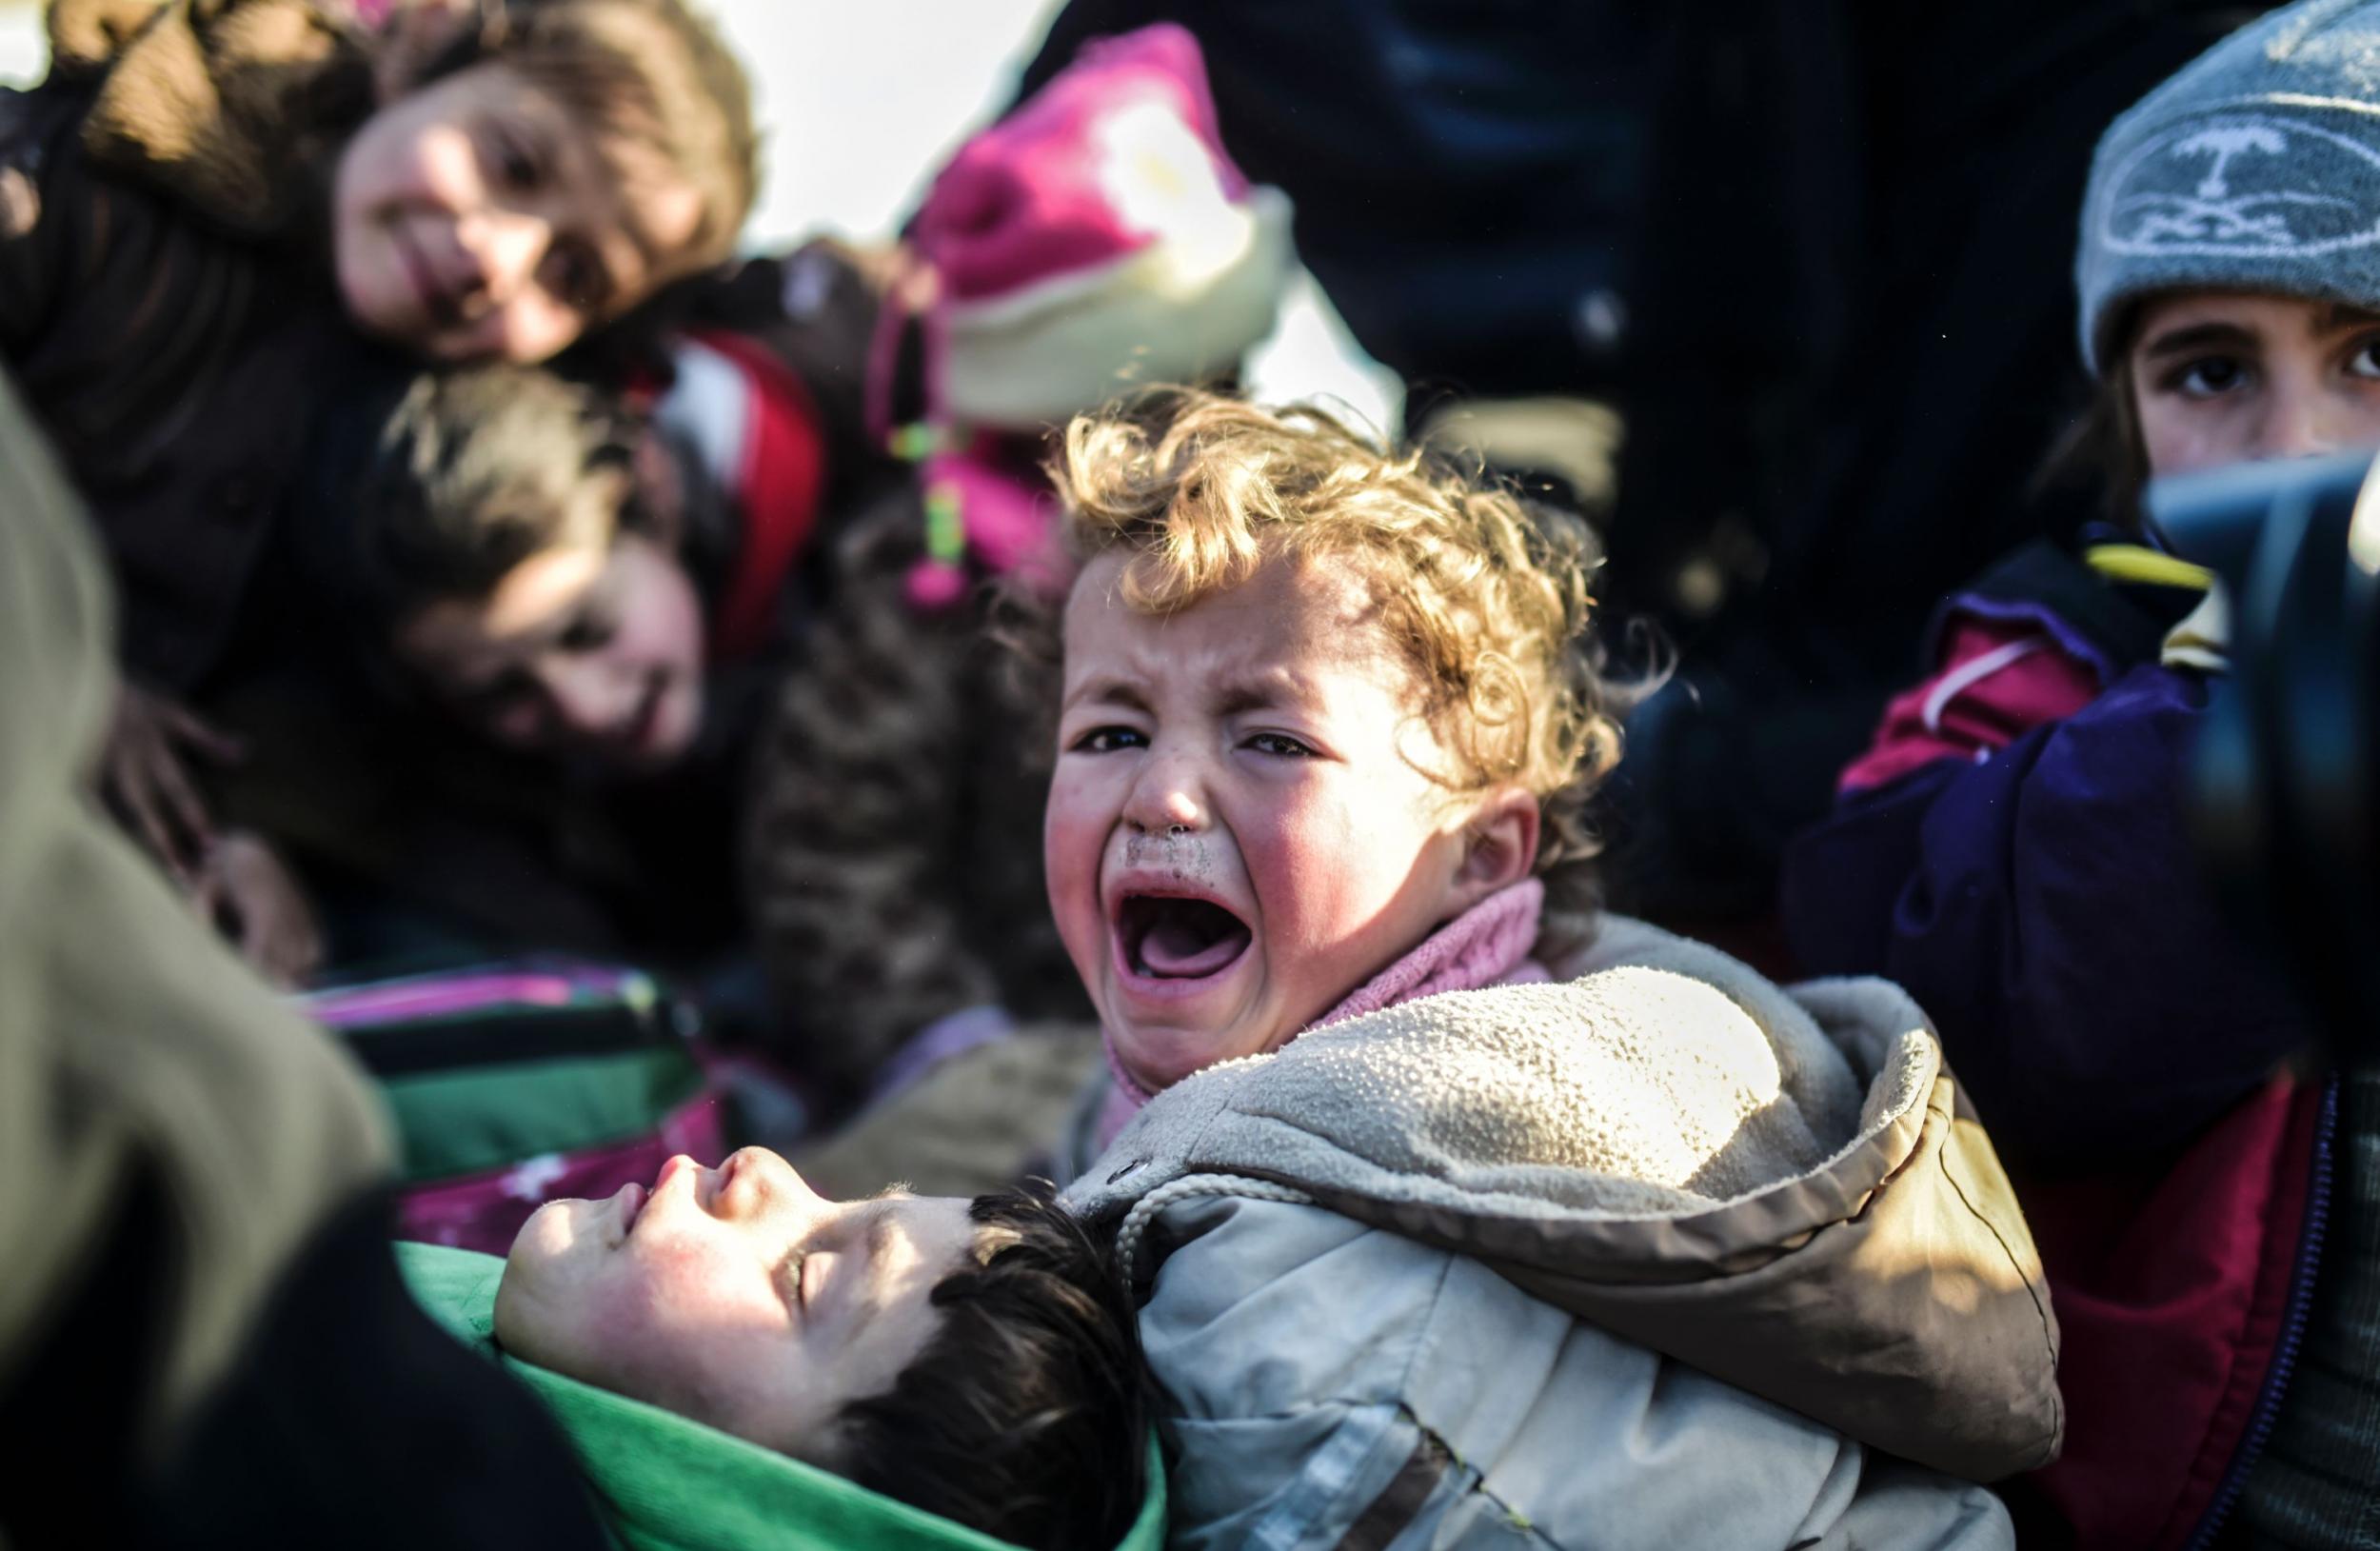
x=1279, y=745
x=789, y=1279
x=1109, y=740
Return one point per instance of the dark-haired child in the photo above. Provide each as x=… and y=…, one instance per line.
x=210, y=204
x=975, y=1359
x=2014, y=849
x=715, y=670
x=585, y=606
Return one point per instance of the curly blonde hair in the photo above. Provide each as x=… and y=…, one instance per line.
x=1486, y=597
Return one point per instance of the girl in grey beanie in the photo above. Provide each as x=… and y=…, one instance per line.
x=2229, y=257
x=2011, y=847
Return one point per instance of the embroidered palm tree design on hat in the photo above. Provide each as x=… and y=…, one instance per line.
x=2222, y=145
x=2245, y=185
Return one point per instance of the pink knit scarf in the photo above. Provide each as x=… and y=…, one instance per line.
x=1487, y=945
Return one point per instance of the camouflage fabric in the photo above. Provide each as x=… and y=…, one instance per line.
x=895, y=829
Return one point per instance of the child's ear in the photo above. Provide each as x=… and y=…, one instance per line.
x=1500, y=845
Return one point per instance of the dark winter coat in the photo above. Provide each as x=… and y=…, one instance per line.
x=2034, y=889
x=2012, y=850
x=165, y=296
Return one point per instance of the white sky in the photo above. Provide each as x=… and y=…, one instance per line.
x=20, y=43
x=860, y=103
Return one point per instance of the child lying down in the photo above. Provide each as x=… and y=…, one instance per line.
x=906, y=1365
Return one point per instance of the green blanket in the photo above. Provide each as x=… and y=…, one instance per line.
x=667, y=1484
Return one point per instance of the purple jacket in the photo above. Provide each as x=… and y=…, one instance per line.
x=2042, y=906
x=2014, y=850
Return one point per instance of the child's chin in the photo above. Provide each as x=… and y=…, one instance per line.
x=546, y=1236
x=1158, y=1058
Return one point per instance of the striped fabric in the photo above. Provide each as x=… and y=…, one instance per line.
x=2318, y=1481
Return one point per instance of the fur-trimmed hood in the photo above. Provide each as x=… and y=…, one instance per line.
x=225, y=106
x=1782, y=1189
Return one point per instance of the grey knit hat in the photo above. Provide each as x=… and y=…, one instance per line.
x=2256, y=168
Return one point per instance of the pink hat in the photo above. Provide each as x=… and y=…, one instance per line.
x=1096, y=237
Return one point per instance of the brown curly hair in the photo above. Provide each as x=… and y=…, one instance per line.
x=1487, y=596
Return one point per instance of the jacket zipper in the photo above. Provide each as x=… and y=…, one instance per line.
x=2293, y=1321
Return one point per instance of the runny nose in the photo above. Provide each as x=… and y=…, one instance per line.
x=1165, y=799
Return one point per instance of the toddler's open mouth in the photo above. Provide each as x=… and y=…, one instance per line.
x=1164, y=937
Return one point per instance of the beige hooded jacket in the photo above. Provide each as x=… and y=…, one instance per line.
x=1660, y=1255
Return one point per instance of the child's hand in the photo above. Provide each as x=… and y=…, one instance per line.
x=249, y=892
x=143, y=776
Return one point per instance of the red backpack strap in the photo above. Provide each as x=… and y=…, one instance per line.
x=775, y=472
